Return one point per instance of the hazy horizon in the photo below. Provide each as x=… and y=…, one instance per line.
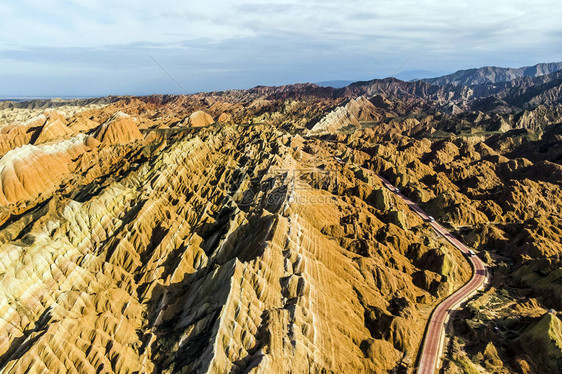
x=80, y=48
x=403, y=75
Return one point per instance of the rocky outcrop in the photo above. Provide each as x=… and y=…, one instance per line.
x=119, y=129
x=200, y=118
x=55, y=130
x=356, y=111
x=543, y=342
x=29, y=171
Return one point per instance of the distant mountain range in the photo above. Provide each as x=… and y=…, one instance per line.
x=514, y=95
x=444, y=94
x=471, y=77
x=493, y=74
x=408, y=75
x=490, y=89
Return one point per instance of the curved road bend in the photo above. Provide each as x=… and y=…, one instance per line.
x=435, y=331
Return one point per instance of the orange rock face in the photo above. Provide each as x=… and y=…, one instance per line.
x=119, y=129
x=29, y=171
x=199, y=118
x=55, y=130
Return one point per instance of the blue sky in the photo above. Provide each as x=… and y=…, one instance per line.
x=96, y=48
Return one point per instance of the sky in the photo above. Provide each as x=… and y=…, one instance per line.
x=139, y=47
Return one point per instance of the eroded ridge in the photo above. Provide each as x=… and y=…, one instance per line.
x=220, y=252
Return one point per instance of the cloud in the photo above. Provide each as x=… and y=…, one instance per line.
x=362, y=16
x=266, y=9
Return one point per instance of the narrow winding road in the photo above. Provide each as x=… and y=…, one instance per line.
x=435, y=331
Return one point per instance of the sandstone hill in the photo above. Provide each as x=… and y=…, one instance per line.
x=248, y=231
